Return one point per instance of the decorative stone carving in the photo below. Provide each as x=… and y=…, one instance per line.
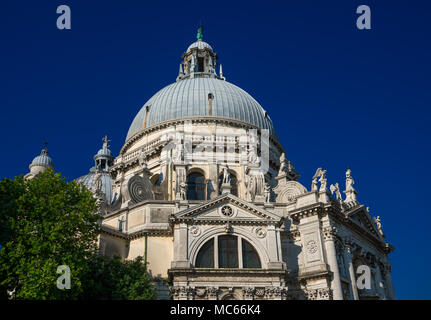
x=178, y=152
x=195, y=231
x=227, y=211
x=181, y=184
x=378, y=224
x=312, y=246
x=181, y=292
x=226, y=175
x=283, y=168
x=248, y=292
x=97, y=181
x=252, y=154
x=140, y=189
x=200, y=292
x=212, y=292
x=336, y=189
x=267, y=193
x=260, y=232
x=287, y=191
x=319, y=294
x=271, y=292
x=183, y=191
x=287, y=169
x=329, y=233
x=255, y=183
x=350, y=192
x=315, y=177
x=323, y=181
x=228, y=227
x=260, y=292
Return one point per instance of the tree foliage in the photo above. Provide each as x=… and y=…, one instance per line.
x=113, y=279
x=46, y=222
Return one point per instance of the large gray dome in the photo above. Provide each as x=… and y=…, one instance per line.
x=189, y=98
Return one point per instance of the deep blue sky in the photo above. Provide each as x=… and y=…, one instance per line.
x=338, y=96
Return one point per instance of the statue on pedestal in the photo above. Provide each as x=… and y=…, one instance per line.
x=315, y=177
x=350, y=192
x=336, y=189
x=323, y=181
x=226, y=175
x=183, y=191
x=267, y=193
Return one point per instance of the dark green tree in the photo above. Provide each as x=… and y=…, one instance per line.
x=114, y=279
x=45, y=222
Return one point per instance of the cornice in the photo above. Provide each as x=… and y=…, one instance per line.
x=137, y=234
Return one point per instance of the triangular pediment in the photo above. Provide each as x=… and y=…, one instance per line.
x=362, y=218
x=228, y=207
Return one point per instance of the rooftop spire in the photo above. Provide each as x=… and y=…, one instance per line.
x=44, y=149
x=200, y=35
x=106, y=142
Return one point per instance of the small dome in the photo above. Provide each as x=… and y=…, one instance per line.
x=88, y=181
x=103, y=160
x=199, y=45
x=104, y=152
x=43, y=160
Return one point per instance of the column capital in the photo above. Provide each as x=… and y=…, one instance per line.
x=329, y=233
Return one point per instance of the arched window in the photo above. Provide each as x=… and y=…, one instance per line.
x=195, y=186
x=250, y=258
x=233, y=183
x=205, y=258
x=229, y=251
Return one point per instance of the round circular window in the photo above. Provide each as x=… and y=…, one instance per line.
x=227, y=211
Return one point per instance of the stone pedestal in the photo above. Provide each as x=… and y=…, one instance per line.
x=268, y=206
x=182, y=205
x=226, y=188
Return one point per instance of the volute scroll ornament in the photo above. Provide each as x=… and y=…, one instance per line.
x=139, y=189
x=288, y=191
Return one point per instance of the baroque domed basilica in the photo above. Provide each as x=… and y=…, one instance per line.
x=202, y=189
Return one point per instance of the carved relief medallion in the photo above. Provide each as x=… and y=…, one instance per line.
x=195, y=231
x=312, y=246
x=227, y=211
x=260, y=232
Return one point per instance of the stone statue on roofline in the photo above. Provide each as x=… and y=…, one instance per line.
x=314, y=186
x=323, y=181
x=336, y=189
x=350, y=192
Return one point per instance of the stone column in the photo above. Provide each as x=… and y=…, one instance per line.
x=331, y=255
x=388, y=281
x=380, y=290
x=180, y=247
x=274, y=259
x=348, y=255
